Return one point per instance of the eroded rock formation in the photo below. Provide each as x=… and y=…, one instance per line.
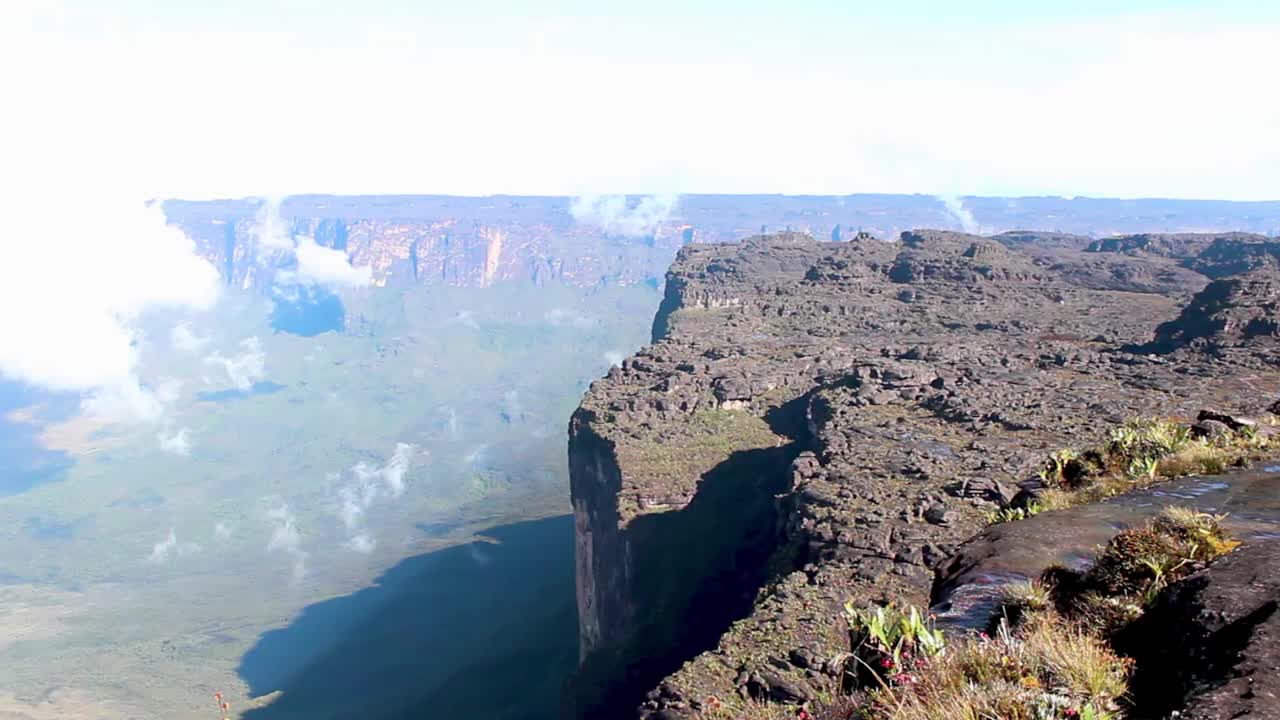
x=822, y=422
x=480, y=241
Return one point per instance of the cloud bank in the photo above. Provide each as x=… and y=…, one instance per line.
x=244, y=368
x=178, y=443
x=314, y=263
x=287, y=538
x=75, y=280
x=184, y=339
x=170, y=547
x=618, y=215
x=365, y=486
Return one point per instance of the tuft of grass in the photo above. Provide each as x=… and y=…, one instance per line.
x=1049, y=657
x=1146, y=439
x=1028, y=596
x=1012, y=514
x=1136, y=565
x=1138, y=453
x=1200, y=535
x=1198, y=457
x=1045, y=669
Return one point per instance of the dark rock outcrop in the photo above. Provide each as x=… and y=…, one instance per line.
x=1229, y=311
x=1209, y=648
x=969, y=585
x=1180, y=246
x=860, y=407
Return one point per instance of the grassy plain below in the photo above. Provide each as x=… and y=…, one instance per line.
x=284, y=471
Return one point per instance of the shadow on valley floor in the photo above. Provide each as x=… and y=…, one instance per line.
x=483, y=630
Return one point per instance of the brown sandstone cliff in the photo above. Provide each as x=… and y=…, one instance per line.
x=818, y=422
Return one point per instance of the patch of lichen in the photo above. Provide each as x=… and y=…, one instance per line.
x=671, y=460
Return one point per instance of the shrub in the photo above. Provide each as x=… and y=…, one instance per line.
x=1146, y=439
x=889, y=642
x=1136, y=454
x=1045, y=669
x=1026, y=597
x=1135, y=566
x=1011, y=514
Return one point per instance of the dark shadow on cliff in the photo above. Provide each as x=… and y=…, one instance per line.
x=483, y=630
x=697, y=571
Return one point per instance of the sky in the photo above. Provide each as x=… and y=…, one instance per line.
x=161, y=98
x=110, y=105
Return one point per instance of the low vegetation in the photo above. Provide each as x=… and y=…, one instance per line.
x=1129, y=572
x=1048, y=655
x=1137, y=454
x=1042, y=668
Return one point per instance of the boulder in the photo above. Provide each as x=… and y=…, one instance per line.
x=1209, y=648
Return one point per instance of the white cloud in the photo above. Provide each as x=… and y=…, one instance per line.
x=613, y=357
x=77, y=274
x=473, y=458
x=245, y=368
x=184, y=339
x=512, y=409
x=367, y=485
x=1016, y=100
x=565, y=316
x=287, y=538
x=171, y=547
x=466, y=318
x=617, y=215
x=222, y=531
x=362, y=543
x=179, y=443
x=315, y=264
x=325, y=266
x=451, y=423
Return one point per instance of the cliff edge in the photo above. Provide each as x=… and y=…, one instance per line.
x=817, y=422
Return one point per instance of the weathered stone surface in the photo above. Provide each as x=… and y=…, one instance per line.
x=1210, y=646
x=968, y=585
x=849, y=412
x=1234, y=310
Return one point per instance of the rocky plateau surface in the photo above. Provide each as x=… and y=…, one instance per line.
x=819, y=422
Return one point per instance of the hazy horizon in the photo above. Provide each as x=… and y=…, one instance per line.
x=156, y=99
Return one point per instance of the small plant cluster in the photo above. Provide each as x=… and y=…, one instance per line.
x=1048, y=656
x=1136, y=454
x=1129, y=573
x=1042, y=669
x=1011, y=514
x=891, y=646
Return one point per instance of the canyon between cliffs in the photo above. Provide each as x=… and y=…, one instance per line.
x=822, y=422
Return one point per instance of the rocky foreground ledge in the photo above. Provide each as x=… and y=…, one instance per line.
x=822, y=422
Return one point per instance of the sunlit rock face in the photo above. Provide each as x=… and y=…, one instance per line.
x=819, y=422
x=480, y=241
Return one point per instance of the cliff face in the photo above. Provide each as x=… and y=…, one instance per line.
x=603, y=583
x=475, y=242
x=822, y=422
